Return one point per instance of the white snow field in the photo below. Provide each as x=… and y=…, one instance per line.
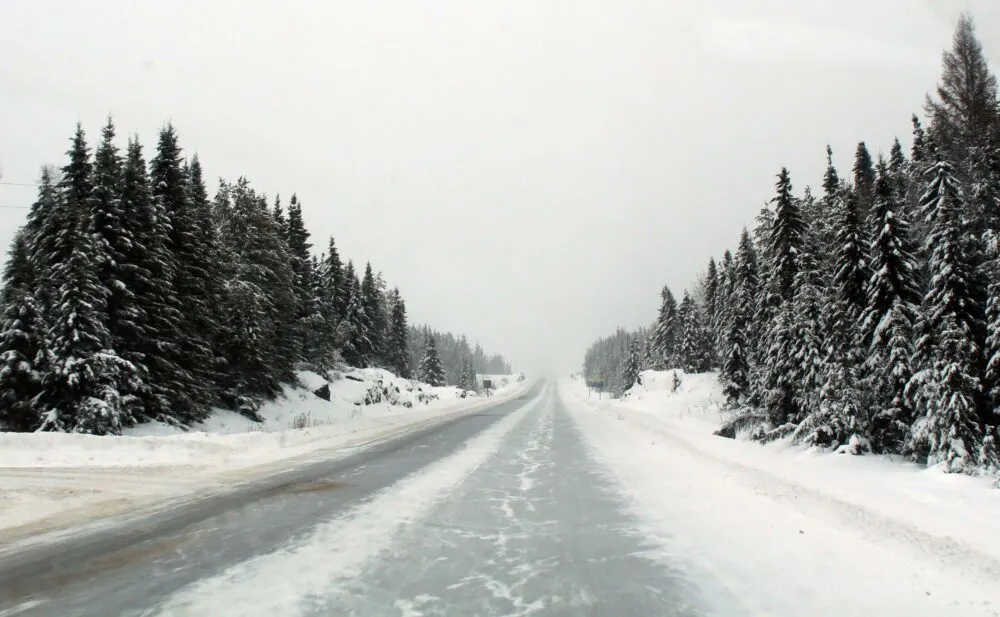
x=53, y=480
x=791, y=531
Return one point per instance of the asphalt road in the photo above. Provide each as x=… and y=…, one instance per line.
x=533, y=529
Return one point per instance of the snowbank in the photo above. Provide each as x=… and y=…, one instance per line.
x=942, y=519
x=54, y=478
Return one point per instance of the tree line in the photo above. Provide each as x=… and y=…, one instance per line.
x=865, y=318
x=459, y=362
x=131, y=295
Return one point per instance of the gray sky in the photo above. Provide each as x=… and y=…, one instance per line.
x=529, y=172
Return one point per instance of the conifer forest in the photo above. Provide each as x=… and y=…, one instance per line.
x=131, y=294
x=862, y=316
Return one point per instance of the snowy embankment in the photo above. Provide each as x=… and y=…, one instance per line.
x=50, y=480
x=790, y=530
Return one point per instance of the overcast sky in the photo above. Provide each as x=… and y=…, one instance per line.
x=529, y=172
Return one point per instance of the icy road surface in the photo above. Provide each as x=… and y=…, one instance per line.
x=499, y=513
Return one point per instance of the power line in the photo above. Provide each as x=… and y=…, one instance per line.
x=18, y=183
x=16, y=207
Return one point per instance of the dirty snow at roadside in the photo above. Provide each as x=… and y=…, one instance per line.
x=788, y=530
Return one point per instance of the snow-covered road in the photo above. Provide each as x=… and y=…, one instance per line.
x=547, y=505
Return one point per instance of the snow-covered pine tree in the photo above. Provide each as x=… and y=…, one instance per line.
x=946, y=388
x=965, y=123
x=785, y=242
x=473, y=382
x=309, y=321
x=354, y=325
x=371, y=300
x=824, y=373
x=964, y=113
x=116, y=235
x=666, y=331
x=330, y=283
x=191, y=276
x=396, y=344
x=712, y=302
x=80, y=390
x=840, y=394
x=630, y=368
x=21, y=340
x=864, y=179
x=893, y=302
x=693, y=346
x=431, y=371
x=742, y=306
x=260, y=302
x=918, y=145
x=279, y=214
x=148, y=269
x=785, y=239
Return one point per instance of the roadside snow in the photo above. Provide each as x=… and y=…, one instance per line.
x=49, y=480
x=793, y=531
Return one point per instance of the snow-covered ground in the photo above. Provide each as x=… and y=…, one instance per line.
x=792, y=531
x=50, y=480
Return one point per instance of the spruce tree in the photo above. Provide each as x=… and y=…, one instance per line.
x=371, y=300
x=693, y=346
x=742, y=306
x=80, y=390
x=259, y=303
x=946, y=388
x=892, y=306
x=191, y=277
x=630, y=368
x=964, y=112
x=864, y=178
x=279, y=214
x=21, y=341
x=399, y=359
x=158, y=309
x=850, y=277
x=431, y=371
x=666, y=331
x=712, y=303
x=117, y=235
x=785, y=239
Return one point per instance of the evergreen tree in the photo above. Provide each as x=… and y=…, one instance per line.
x=331, y=296
x=260, y=302
x=309, y=319
x=431, y=371
x=666, y=332
x=918, y=147
x=191, y=279
x=736, y=364
x=80, y=390
x=964, y=112
x=147, y=268
x=786, y=238
x=399, y=360
x=279, y=215
x=712, y=303
x=946, y=389
x=851, y=275
x=21, y=341
x=893, y=301
x=630, y=369
x=864, y=178
x=117, y=234
x=371, y=300
x=693, y=346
